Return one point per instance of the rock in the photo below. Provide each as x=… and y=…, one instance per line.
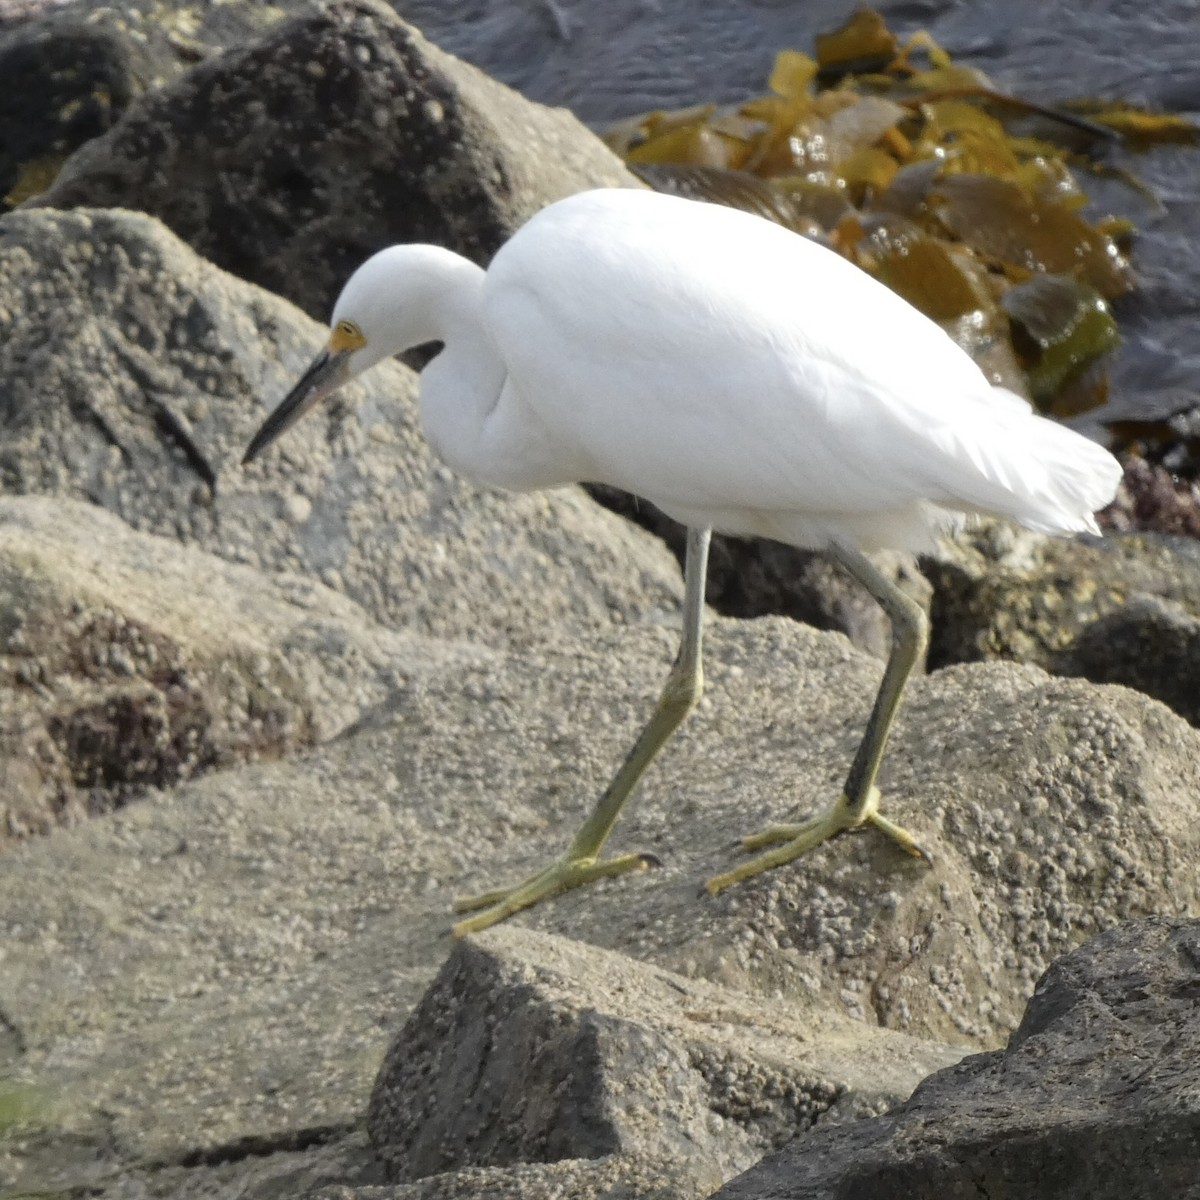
x=1124, y=609
x=290, y=160
x=611, y=1178
x=129, y=662
x=222, y=965
x=1094, y=1097
x=135, y=374
x=532, y=1048
x=167, y=38
x=65, y=82
x=1149, y=644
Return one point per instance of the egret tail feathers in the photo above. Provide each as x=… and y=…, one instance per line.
x=1080, y=478
x=1037, y=472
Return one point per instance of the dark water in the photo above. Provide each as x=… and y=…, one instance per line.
x=611, y=59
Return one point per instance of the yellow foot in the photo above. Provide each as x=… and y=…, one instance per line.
x=791, y=841
x=560, y=876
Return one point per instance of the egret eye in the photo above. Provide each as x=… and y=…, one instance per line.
x=346, y=336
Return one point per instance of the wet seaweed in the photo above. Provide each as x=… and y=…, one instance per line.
x=964, y=199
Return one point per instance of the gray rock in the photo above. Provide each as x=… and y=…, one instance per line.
x=135, y=373
x=1123, y=609
x=1147, y=643
x=290, y=160
x=533, y=1048
x=203, y=984
x=1094, y=1099
x=222, y=966
x=615, y=1177
x=128, y=661
x=65, y=82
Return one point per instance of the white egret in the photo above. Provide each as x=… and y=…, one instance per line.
x=742, y=378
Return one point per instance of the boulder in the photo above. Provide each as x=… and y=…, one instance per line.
x=65, y=82
x=614, y=1177
x=1093, y=1099
x=129, y=662
x=533, y=1048
x=72, y=67
x=214, y=974
x=1147, y=643
x=201, y=986
x=1122, y=609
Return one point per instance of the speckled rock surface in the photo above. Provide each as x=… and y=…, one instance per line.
x=1095, y=1097
x=224, y=965
x=1122, y=609
x=134, y=375
x=203, y=985
x=531, y=1048
x=614, y=1177
x=340, y=1166
x=128, y=661
x=290, y=160
x=65, y=82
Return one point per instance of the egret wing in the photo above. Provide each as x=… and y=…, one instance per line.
x=708, y=359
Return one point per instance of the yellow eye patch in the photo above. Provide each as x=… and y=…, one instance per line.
x=346, y=336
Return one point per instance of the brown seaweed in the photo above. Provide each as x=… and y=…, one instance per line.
x=962, y=198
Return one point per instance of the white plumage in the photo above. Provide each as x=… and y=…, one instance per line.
x=739, y=376
x=746, y=378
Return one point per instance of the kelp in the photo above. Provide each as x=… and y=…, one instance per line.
x=1136, y=126
x=1022, y=233
x=962, y=198
x=1061, y=328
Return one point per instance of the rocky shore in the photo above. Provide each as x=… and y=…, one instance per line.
x=259, y=727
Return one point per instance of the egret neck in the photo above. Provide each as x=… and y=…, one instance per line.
x=418, y=294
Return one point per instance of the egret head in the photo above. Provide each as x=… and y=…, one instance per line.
x=358, y=339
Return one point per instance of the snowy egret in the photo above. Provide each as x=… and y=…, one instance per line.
x=742, y=378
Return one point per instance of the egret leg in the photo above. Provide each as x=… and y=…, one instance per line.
x=859, y=801
x=581, y=864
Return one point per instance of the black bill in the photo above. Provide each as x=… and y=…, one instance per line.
x=326, y=374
